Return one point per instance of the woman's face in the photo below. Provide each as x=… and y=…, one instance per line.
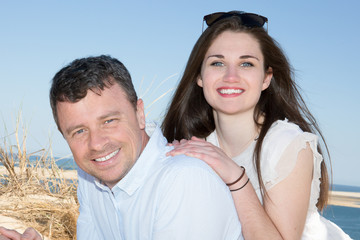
x=232, y=74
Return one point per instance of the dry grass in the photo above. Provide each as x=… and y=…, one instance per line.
x=36, y=192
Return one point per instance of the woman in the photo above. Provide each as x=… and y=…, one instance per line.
x=238, y=93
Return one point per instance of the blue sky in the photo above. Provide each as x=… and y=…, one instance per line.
x=154, y=39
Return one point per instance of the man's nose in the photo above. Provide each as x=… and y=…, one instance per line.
x=97, y=139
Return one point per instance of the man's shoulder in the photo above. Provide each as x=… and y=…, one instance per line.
x=183, y=162
x=185, y=169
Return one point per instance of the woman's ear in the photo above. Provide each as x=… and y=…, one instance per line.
x=199, y=81
x=268, y=77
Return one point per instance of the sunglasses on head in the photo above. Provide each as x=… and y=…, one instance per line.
x=247, y=19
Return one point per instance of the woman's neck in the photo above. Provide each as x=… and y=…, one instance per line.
x=235, y=132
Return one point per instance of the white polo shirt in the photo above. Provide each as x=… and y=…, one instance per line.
x=160, y=198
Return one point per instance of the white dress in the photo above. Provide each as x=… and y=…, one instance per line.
x=281, y=146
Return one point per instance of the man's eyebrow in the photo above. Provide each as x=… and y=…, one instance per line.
x=109, y=114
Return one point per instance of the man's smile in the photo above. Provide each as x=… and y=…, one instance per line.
x=107, y=157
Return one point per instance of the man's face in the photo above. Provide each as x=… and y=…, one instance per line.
x=105, y=133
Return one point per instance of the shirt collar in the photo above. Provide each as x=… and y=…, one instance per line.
x=149, y=159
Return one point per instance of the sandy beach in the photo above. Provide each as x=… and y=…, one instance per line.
x=67, y=174
x=346, y=199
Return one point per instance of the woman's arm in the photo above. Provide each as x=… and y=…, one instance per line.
x=255, y=222
x=288, y=200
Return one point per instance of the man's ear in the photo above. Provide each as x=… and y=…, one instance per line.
x=267, y=79
x=140, y=113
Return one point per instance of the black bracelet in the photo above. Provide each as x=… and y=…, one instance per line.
x=233, y=190
x=242, y=174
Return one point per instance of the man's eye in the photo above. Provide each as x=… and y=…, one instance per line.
x=109, y=121
x=79, y=131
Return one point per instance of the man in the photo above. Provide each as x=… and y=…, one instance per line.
x=128, y=187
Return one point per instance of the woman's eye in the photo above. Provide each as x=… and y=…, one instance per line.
x=219, y=64
x=247, y=64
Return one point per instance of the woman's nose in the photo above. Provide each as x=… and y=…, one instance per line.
x=231, y=74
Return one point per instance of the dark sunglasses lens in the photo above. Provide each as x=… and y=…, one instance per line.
x=252, y=20
x=211, y=18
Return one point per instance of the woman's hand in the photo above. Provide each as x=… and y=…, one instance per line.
x=214, y=156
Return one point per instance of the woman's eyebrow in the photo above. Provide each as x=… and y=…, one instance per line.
x=241, y=57
x=248, y=56
x=216, y=55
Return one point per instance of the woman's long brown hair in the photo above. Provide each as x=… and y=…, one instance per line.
x=190, y=115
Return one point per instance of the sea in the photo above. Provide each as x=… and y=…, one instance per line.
x=347, y=218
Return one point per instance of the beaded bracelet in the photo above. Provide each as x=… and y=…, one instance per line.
x=229, y=184
x=233, y=190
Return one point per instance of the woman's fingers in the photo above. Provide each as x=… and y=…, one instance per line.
x=215, y=157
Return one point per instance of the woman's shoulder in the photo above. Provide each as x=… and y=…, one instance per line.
x=280, y=148
x=282, y=131
x=281, y=134
x=284, y=126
